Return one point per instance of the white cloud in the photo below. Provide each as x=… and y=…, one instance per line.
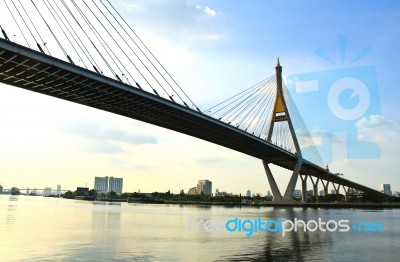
x=386, y=135
x=209, y=11
x=132, y=8
x=369, y=121
x=175, y=19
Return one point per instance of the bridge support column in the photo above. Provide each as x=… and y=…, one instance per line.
x=325, y=187
x=304, y=187
x=346, y=197
x=336, y=188
x=315, y=187
x=292, y=183
x=272, y=183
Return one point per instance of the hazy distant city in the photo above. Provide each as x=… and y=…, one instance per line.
x=106, y=185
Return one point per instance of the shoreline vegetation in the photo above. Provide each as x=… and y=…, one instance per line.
x=329, y=201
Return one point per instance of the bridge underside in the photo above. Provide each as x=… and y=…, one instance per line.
x=34, y=71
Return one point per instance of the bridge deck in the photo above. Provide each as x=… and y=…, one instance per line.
x=34, y=71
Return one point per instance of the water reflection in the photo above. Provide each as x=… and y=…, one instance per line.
x=11, y=212
x=295, y=246
x=40, y=229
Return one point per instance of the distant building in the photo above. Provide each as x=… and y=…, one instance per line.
x=47, y=191
x=205, y=187
x=248, y=193
x=385, y=188
x=107, y=184
x=297, y=193
x=1, y=189
x=101, y=184
x=115, y=184
x=217, y=193
x=192, y=191
x=321, y=193
x=269, y=194
x=58, y=189
x=333, y=191
x=83, y=190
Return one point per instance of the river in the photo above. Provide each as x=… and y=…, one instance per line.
x=36, y=228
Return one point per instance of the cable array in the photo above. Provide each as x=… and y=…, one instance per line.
x=93, y=35
x=308, y=149
x=251, y=110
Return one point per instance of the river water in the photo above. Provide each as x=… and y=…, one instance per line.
x=52, y=229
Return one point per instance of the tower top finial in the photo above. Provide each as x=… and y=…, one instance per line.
x=277, y=63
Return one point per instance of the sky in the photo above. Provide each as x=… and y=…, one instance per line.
x=215, y=49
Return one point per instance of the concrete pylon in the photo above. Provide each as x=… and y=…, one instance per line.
x=281, y=114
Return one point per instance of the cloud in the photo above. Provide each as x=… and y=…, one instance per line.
x=176, y=18
x=92, y=131
x=99, y=139
x=210, y=161
x=103, y=147
x=143, y=167
x=369, y=121
x=125, y=137
x=209, y=11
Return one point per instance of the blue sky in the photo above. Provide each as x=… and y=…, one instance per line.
x=214, y=49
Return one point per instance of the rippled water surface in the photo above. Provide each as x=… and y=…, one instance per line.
x=51, y=229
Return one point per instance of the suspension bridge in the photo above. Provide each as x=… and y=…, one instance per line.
x=88, y=54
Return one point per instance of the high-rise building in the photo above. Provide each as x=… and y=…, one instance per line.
x=101, y=184
x=58, y=189
x=115, y=184
x=204, y=186
x=107, y=184
x=248, y=193
x=385, y=188
x=192, y=191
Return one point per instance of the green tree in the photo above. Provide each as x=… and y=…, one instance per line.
x=68, y=194
x=93, y=193
x=112, y=195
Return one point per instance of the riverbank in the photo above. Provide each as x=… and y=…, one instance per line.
x=273, y=204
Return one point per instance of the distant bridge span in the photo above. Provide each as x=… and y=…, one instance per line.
x=28, y=69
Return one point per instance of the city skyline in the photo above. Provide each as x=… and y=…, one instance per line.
x=212, y=53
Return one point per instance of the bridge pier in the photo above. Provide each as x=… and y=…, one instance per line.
x=315, y=187
x=346, y=195
x=277, y=197
x=288, y=196
x=304, y=187
x=336, y=188
x=326, y=192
